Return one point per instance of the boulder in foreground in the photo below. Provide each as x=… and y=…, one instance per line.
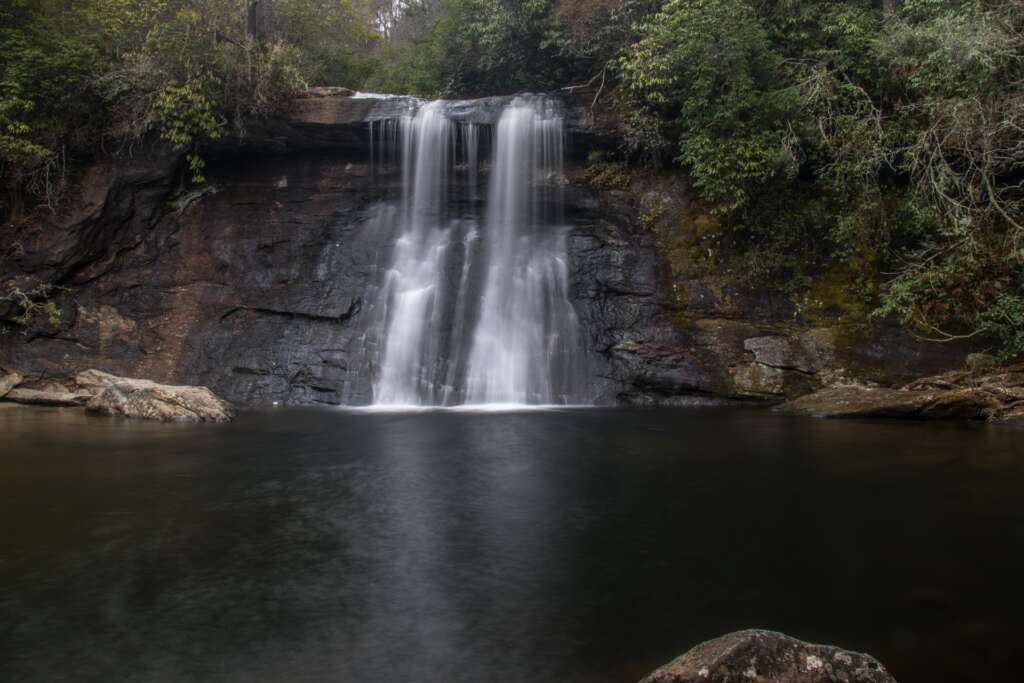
x=140, y=398
x=769, y=657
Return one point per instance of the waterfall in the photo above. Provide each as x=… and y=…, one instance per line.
x=473, y=305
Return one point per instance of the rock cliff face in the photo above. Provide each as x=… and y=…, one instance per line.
x=254, y=286
x=664, y=332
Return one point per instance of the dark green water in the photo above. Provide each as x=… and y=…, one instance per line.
x=549, y=546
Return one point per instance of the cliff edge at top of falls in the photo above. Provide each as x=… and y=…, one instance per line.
x=337, y=118
x=254, y=285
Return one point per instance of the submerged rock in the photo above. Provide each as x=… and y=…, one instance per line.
x=8, y=380
x=140, y=398
x=769, y=657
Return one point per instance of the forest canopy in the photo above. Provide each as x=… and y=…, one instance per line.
x=878, y=139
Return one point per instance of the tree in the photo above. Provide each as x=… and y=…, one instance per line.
x=709, y=69
x=259, y=23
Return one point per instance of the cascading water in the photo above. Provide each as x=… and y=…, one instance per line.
x=473, y=311
x=526, y=332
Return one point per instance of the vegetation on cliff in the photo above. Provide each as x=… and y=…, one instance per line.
x=81, y=76
x=886, y=134
x=879, y=137
x=882, y=138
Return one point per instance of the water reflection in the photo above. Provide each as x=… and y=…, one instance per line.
x=558, y=545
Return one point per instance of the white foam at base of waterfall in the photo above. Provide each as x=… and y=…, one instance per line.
x=389, y=409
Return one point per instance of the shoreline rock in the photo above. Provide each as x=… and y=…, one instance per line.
x=47, y=397
x=107, y=394
x=141, y=398
x=758, y=656
x=8, y=380
x=996, y=395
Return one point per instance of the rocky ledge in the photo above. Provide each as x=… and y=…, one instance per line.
x=769, y=657
x=256, y=284
x=107, y=394
x=995, y=395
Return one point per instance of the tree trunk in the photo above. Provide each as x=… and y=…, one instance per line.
x=252, y=19
x=268, y=20
x=259, y=20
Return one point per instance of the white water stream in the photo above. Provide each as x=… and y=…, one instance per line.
x=474, y=308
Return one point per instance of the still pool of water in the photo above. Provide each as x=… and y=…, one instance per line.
x=562, y=545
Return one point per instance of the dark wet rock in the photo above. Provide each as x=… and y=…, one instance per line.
x=886, y=354
x=253, y=290
x=48, y=397
x=653, y=374
x=785, y=366
x=756, y=380
x=8, y=380
x=1012, y=417
x=809, y=353
x=619, y=284
x=143, y=399
x=769, y=657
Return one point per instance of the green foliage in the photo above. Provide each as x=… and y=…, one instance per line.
x=16, y=145
x=183, y=114
x=709, y=68
x=472, y=48
x=1004, y=320
x=607, y=173
x=48, y=51
x=195, y=74
x=594, y=32
x=958, y=124
x=831, y=133
x=331, y=39
x=32, y=306
x=77, y=73
x=429, y=60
